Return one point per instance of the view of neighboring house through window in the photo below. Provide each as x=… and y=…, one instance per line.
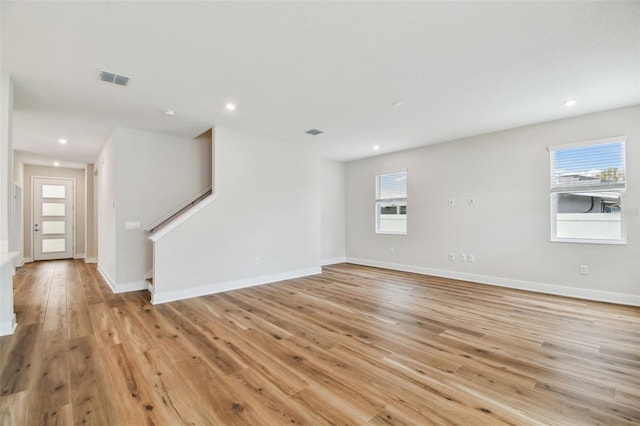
x=587, y=192
x=391, y=203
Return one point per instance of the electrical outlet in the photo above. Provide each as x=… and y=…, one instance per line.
x=471, y=258
x=257, y=260
x=452, y=202
x=392, y=250
x=472, y=201
x=584, y=269
x=463, y=258
x=452, y=256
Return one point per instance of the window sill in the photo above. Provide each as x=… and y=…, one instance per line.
x=587, y=241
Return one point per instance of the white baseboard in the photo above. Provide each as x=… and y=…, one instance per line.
x=558, y=290
x=79, y=256
x=132, y=286
x=8, y=327
x=27, y=259
x=90, y=260
x=122, y=288
x=325, y=262
x=170, y=296
x=107, y=278
x=18, y=262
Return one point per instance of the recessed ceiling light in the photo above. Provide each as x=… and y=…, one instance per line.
x=376, y=147
x=62, y=141
x=230, y=106
x=169, y=112
x=570, y=102
x=57, y=164
x=397, y=103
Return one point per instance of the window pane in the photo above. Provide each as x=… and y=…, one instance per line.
x=585, y=215
x=388, y=210
x=53, y=209
x=391, y=185
x=53, y=227
x=53, y=245
x=389, y=219
x=587, y=184
x=53, y=191
x=587, y=166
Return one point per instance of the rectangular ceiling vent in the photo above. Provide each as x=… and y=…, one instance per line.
x=313, y=132
x=114, y=78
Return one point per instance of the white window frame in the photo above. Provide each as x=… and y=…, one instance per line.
x=620, y=190
x=400, y=200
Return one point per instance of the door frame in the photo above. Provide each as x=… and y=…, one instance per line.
x=18, y=225
x=32, y=236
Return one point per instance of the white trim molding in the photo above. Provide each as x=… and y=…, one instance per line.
x=325, y=262
x=90, y=260
x=80, y=256
x=132, y=286
x=558, y=290
x=27, y=260
x=122, y=288
x=8, y=327
x=204, y=290
x=107, y=278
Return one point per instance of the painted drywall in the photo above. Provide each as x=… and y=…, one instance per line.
x=80, y=206
x=105, y=166
x=18, y=224
x=91, y=251
x=149, y=174
x=264, y=224
x=6, y=161
x=507, y=228
x=332, y=211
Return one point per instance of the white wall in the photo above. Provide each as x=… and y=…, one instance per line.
x=106, y=188
x=6, y=161
x=146, y=174
x=332, y=212
x=267, y=206
x=508, y=227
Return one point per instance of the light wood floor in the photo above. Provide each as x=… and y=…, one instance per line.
x=354, y=345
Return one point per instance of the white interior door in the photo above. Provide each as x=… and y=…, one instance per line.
x=53, y=218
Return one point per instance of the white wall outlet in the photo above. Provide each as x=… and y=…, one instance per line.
x=257, y=260
x=463, y=257
x=392, y=250
x=471, y=258
x=452, y=202
x=132, y=225
x=472, y=201
x=452, y=257
x=584, y=269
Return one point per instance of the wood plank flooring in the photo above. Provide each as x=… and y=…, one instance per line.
x=352, y=346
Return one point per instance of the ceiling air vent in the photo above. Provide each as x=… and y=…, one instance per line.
x=114, y=78
x=313, y=132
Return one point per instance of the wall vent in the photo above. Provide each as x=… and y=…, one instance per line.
x=313, y=132
x=114, y=78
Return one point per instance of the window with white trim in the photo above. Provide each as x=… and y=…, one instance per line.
x=391, y=203
x=587, y=192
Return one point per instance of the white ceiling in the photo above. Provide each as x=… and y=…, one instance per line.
x=462, y=69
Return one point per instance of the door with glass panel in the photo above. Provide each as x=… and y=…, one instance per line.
x=52, y=218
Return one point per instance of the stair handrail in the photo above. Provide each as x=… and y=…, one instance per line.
x=179, y=208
